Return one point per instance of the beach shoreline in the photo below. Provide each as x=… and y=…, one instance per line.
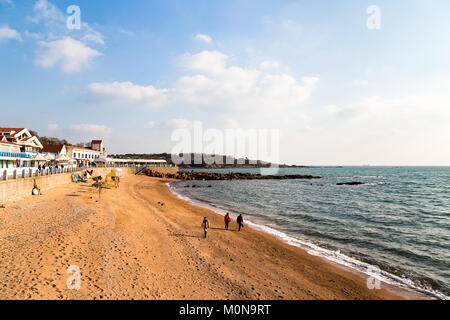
x=395, y=288
x=141, y=241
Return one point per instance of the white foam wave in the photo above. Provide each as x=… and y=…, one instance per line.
x=357, y=177
x=332, y=255
x=374, y=183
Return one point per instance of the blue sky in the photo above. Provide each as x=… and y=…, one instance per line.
x=339, y=92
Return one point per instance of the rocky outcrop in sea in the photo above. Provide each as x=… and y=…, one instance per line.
x=203, y=176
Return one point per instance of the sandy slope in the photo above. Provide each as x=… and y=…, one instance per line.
x=128, y=246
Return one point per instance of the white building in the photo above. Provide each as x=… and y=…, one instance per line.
x=10, y=155
x=83, y=156
x=17, y=147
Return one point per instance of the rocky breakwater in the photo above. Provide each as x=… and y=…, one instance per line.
x=203, y=176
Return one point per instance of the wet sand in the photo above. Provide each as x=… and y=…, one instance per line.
x=128, y=246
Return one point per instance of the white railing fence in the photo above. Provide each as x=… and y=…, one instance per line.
x=22, y=173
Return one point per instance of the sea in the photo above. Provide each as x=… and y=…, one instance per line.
x=395, y=227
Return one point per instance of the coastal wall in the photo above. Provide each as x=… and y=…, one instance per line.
x=16, y=189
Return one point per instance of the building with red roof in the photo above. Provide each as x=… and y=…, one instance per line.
x=17, y=147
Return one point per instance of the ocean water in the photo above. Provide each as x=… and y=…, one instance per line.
x=395, y=227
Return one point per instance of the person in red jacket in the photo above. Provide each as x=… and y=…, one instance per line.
x=227, y=220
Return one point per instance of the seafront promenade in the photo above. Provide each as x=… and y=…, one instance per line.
x=28, y=172
x=20, y=183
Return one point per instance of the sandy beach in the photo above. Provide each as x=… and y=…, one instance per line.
x=128, y=246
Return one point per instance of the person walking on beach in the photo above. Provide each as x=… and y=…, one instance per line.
x=205, y=226
x=227, y=220
x=240, y=221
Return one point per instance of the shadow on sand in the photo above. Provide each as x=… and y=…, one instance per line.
x=223, y=229
x=185, y=235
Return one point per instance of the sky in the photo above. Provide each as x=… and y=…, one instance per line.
x=342, y=84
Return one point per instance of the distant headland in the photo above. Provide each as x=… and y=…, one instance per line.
x=206, y=161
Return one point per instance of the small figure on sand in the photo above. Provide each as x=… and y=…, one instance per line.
x=205, y=226
x=227, y=220
x=240, y=222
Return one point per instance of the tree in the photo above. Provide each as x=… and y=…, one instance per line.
x=34, y=133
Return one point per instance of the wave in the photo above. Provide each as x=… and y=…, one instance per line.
x=357, y=177
x=335, y=256
x=374, y=183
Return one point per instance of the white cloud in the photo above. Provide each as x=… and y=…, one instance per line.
x=388, y=111
x=127, y=93
x=94, y=37
x=408, y=130
x=126, y=32
x=33, y=35
x=91, y=35
x=234, y=87
x=72, y=55
x=8, y=33
x=52, y=126
x=214, y=85
x=91, y=128
x=150, y=124
x=204, y=38
x=60, y=46
x=212, y=62
x=179, y=124
x=265, y=65
x=284, y=28
x=46, y=10
x=55, y=21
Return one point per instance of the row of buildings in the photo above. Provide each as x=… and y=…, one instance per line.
x=20, y=149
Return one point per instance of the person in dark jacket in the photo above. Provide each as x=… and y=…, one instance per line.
x=240, y=222
x=205, y=226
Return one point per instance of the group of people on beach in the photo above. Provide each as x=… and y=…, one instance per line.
x=41, y=168
x=227, y=220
